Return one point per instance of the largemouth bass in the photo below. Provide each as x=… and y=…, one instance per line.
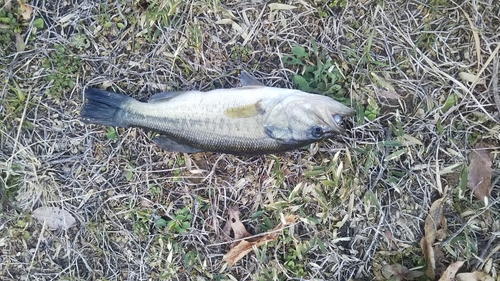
x=253, y=119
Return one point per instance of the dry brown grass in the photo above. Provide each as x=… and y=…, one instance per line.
x=118, y=190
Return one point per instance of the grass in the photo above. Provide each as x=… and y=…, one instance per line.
x=144, y=213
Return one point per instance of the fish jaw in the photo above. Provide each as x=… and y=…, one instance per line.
x=329, y=113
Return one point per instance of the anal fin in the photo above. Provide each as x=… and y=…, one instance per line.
x=173, y=146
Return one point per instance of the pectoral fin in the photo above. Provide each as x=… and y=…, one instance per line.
x=171, y=145
x=244, y=111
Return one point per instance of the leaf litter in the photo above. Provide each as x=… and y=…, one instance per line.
x=451, y=271
x=26, y=10
x=396, y=272
x=241, y=247
x=480, y=172
x=434, y=229
x=474, y=276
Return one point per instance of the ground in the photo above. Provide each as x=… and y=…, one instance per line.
x=422, y=76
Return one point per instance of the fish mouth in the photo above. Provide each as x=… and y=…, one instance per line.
x=336, y=122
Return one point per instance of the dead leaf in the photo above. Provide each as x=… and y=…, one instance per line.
x=480, y=170
x=474, y=276
x=381, y=81
x=240, y=248
x=469, y=77
x=388, y=94
x=451, y=271
x=435, y=228
x=54, y=217
x=440, y=257
x=279, y=6
x=236, y=225
x=26, y=10
x=397, y=271
x=20, y=46
x=224, y=21
x=7, y=6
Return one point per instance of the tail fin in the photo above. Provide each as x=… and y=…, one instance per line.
x=104, y=108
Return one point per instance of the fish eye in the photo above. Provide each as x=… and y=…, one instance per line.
x=337, y=118
x=317, y=132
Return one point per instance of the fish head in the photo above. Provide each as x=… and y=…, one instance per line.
x=305, y=118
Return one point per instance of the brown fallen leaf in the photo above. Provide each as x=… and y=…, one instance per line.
x=396, y=271
x=388, y=94
x=451, y=271
x=236, y=225
x=474, y=276
x=20, y=46
x=435, y=228
x=240, y=248
x=480, y=170
x=26, y=10
x=7, y=6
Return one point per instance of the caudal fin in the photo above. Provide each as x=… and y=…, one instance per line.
x=104, y=108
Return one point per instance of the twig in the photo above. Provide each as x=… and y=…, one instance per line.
x=494, y=85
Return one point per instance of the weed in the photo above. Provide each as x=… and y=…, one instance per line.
x=294, y=264
x=10, y=183
x=372, y=110
x=239, y=52
x=130, y=172
x=195, y=36
x=426, y=39
x=12, y=25
x=327, y=5
x=295, y=254
x=62, y=66
x=111, y=133
x=80, y=42
x=463, y=246
x=162, y=13
x=176, y=167
x=461, y=189
x=15, y=102
x=179, y=224
x=108, y=24
x=154, y=189
x=316, y=76
x=141, y=218
x=451, y=100
x=269, y=273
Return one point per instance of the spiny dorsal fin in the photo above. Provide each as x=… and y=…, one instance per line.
x=248, y=80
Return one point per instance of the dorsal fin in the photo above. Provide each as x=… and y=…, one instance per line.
x=248, y=80
x=163, y=96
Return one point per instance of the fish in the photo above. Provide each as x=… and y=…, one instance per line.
x=249, y=120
